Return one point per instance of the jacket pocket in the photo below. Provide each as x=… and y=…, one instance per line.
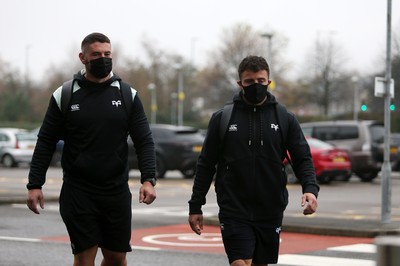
x=98, y=165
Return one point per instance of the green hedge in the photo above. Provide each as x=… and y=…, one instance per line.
x=20, y=124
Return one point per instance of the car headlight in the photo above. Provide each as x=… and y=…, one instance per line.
x=197, y=148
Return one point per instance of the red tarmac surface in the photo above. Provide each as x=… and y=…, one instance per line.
x=180, y=237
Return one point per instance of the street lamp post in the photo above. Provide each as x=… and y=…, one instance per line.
x=356, y=99
x=269, y=37
x=181, y=94
x=174, y=97
x=152, y=88
x=386, y=167
x=27, y=78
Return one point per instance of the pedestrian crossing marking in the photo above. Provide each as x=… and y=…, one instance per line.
x=20, y=239
x=362, y=248
x=308, y=260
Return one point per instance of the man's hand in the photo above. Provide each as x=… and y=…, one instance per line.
x=310, y=202
x=196, y=223
x=147, y=193
x=35, y=196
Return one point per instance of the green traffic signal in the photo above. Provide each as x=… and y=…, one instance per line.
x=364, y=107
x=392, y=107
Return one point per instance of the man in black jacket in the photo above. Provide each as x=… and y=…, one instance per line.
x=95, y=200
x=251, y=181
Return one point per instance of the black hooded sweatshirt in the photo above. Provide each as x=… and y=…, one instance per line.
x=251, y=181
x=95, y=130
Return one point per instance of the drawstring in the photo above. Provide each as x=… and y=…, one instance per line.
x=251, y=126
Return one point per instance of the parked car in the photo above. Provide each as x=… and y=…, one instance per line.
x=363, y=139
x=330, y=163
x=56, y=159
x=177, y=148
x=16, y=146
x=395, y=137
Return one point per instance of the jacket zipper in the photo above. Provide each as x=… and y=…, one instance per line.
x=254, y=118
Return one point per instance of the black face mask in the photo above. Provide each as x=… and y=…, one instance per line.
x=255, y=93
x=100, y=67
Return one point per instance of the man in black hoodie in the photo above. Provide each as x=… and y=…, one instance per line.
x=95, y=200
x=251, y=181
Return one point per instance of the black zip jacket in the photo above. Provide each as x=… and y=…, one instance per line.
x=251, y=181
x=95, y=130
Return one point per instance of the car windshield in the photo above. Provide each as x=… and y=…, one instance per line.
x=26, y=137
x=317, y=144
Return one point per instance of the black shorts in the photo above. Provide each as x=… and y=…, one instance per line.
x=245, y=240
x=99, y=220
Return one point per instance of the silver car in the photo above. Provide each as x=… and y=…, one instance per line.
x=364, y=140
x=16, y=146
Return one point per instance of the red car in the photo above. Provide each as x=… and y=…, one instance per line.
x=329, y=162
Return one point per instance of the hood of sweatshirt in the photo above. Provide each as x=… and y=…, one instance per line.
x=83, y=82
x=240, y=103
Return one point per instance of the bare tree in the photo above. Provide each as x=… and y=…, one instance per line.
x=326, y=65
x=218, y=79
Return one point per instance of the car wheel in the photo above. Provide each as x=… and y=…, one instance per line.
x=324, y=179
x=190, y=171
x=291, y=177
x=8, y=161
x=56, y=160
x=346, y=178
x=396, y=166
x=367, y=177
x=160, y=168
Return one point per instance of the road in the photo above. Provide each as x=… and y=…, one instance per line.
x=161, y=235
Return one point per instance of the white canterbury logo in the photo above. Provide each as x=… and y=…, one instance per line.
x=276, y=127
x=232, y=127
x=75, y=107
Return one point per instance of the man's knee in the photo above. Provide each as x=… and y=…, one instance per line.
x=112, y=258
x=86, y=257
x=241, y=263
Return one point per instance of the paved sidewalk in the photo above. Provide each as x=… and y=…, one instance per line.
x=366, y=225
x=291, y=223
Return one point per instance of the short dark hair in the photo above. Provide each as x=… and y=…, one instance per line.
x=94, y=37
x=253, y=63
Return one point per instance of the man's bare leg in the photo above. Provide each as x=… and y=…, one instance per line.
x=86, y=257
x=112, y=258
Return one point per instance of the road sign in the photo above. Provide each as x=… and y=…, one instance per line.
x=380, y=87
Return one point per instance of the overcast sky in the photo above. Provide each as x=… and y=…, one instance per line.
x=39, y=33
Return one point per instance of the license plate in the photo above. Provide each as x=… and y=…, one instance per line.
x=30, y=147
x=338, y=160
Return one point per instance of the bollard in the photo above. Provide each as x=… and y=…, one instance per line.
x=388, y=250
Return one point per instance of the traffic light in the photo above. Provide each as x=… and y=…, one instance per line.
x=392, y=107
x=364, y=107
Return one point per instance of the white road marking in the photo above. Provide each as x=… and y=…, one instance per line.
x=186, y=240
x=19, y=239
x=177, y=211
x=307, y=260
x=145, y=248
x=35, y=240
x=363, y=248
